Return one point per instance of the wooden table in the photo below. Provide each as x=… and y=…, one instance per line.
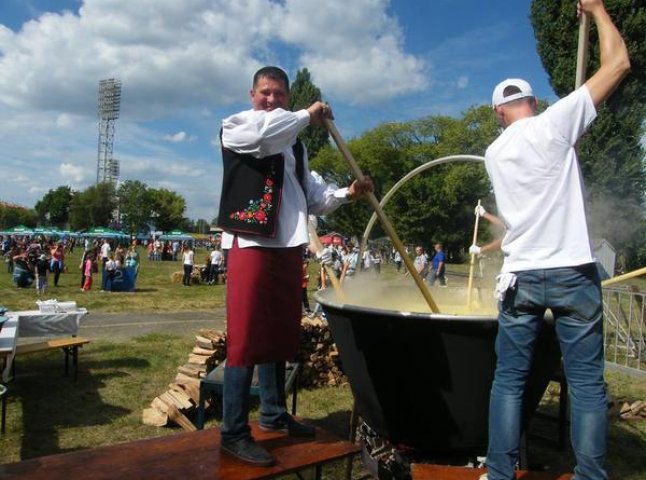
x=422, y=471
x=192, y=455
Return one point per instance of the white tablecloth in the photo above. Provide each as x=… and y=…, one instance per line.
x=33, y=323
x=8, y=336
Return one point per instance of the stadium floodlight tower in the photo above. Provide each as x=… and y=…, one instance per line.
x=107, y=168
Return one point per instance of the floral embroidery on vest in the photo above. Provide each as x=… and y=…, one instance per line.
x=258, y=210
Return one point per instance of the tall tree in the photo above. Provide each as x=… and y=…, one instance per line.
x=611, y=154
x=135, y=205
x=54, y=207
x=168, y=209
x=93, y=207
x=303, y=93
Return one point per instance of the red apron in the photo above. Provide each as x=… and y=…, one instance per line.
x=263, y=304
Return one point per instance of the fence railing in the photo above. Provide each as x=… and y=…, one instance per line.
x=625, y=344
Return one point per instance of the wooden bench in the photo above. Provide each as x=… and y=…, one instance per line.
x=191, y=455
x=69, y=345
x=421, y=471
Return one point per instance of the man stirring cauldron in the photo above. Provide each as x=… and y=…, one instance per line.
x=267, y=193
x=549, y=262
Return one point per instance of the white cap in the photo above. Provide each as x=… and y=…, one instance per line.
x=523, y=88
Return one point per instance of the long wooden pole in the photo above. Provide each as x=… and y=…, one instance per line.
x=473, y=259
x=399, y=246
x=582, y=51
x=625, y=276
x=316, y=241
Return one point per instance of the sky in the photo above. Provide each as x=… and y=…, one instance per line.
x=186, y=65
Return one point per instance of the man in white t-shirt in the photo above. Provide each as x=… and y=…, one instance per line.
x=216, y=264
x=549, y=263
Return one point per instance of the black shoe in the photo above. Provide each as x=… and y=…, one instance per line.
x=291, y=427
x=247, y=450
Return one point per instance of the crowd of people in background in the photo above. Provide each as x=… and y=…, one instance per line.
x=39, y=261
x=31, y=260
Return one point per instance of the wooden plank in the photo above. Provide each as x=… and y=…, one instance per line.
x=52, y=344
x=423, y=471
x=194, y=455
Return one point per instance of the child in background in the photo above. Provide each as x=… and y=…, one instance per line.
x=88, y=269
x=42, y=267
x=110, y=271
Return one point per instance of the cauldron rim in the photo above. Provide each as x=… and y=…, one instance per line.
x=323, y=299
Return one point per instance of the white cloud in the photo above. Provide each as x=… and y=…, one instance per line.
x=171, y=55
x=179, y=137
x=73, y=172
x=463, y=82
x=190, y=60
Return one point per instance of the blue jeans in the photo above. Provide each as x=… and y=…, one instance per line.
x=574, y=296
x=235, y=404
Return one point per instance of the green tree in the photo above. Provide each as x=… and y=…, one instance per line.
x=611, y=153
x=93, y=207
x=135, y=205
x=304, y=93
x=54, y=207
x=167, y=209
x=436, y=205
x=12, y=215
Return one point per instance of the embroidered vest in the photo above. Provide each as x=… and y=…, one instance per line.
x=252, y=190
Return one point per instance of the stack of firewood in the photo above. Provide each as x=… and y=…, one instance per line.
x=319, y=358
x=183, y=392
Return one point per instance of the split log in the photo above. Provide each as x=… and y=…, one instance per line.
x=198, y=359
x=179, y=418
x=204, y=342
x=152, y=416
x=203, y=351
x=182, y=378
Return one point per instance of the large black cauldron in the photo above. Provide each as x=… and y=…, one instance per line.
x=422, y=380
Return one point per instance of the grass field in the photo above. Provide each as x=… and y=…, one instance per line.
x=155, y=290
x=48, y=413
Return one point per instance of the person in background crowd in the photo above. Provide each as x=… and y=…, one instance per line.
x=397, y=258
x=548, y=258
x=368, y=261
x=216, y=264
x=120, y=256
x=105, y=250
x=132, y=258
x=110, y=269
x=57, y=262
x=377, y=259
x=265, y=239
x=157, y=250
x=350, y=262
x=8, y=256
x=88, y=269
x=42, y=267
x=86, y=253
x=438, y=266
x=187, y=261
x=421, y=262
x=175, y=247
